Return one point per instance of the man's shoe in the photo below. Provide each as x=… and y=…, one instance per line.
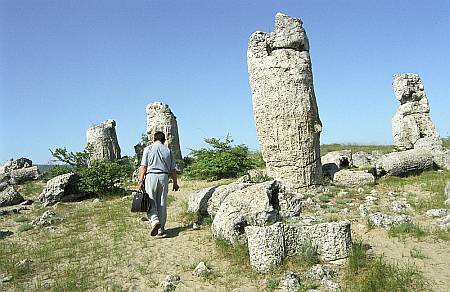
x=155, y=228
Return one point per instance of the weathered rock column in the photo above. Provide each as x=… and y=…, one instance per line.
x=411, y=124
x=103, y=139
x=161, y=118
x=284, y=103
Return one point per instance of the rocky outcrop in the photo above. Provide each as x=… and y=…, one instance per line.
x=161, y=118
x=15, y=164
x=61, y=188
x=255, y=205
x=404, y=162
x=23, y=174
x=269, y=245
x=10, y=197
x=220, y=194
x=198, y=201
x=353, y=178
x=334, y=161
x=382, y=220
x=364, y=160
x=103, y=140
x=284, y=103
x=265, y=246
x=412, y=127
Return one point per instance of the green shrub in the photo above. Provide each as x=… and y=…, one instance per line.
x=76, y=160
x=59, y=170
x=407, y=228
x=220, y=160
x=25, y=227
x=103, y=176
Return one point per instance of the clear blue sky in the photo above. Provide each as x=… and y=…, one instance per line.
x=67, y=65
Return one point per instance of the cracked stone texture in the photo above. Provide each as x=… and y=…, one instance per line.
x=252, y=206
x=61, y=188
x=103, y=139
x=16, y=164
x=384, y=221
x=284, y=104
x=198, y=201
x=353, y=178
x=412, y=127
x=265, y=246
x=219, y=195
x=336, y=160
x=404, y=162
x=10, y=197
x=160, y=118
x=23, y=174
x=332, y=239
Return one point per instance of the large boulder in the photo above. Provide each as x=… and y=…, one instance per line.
x=353, y=178
x=9, y=197
x=332, y=239
x=265, y=246
x=161, y=118
x=15, y=164
x=334, y=161
x=198, y=201
x=23, y=174
x=382, y=220
x=404, y=162
x=219, y=195
x=103, y=140
x=284, y=104
x=364, y=160
x=255, y=205
x=61, y=188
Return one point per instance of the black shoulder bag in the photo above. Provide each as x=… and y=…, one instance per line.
x=141, y=202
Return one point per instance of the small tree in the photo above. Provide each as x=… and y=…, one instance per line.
x=76, y=160
x=220, y=160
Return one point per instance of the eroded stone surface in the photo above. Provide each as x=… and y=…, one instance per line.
x=61, y=188
x=103, y=139
x=23, y=174
x=219, y=195
x=334, y=161
x=161, y=118
x=265, y=246
x=404, y=162
x=198, y=201
x=284, y=104
x=10, y=197
x=252, y=206
x=384, y=221
x=353, y=178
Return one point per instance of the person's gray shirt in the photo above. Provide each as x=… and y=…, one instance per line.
x=158, y=158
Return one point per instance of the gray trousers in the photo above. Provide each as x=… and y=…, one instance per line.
x=157, y=187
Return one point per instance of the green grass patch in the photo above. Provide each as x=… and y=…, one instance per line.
x=341, y=201
x=325, y=198
x=363, y=273
x=325, y=148
x=185, y=216
x=417, y=253
x=237, y=254
x=25, y=227
x=170, y=200
x=272, y=284
x=403, y=229
x=31, y=189
x=442, y=233
x=306, y=256
x=21, y=219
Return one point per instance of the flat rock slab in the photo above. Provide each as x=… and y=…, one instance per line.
x=353, y=178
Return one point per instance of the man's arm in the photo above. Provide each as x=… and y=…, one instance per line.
x=175, y=187
x=142, y=171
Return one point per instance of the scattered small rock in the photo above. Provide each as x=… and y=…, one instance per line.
x=195, y=226
x=96, y=201
x=330, y=285
x=170, y=282
x=24, y=263
x=437, y=213
x=318, y=272
x=444, y=222
x=400, y=207
x=364, y=210
x=5, y=233
x=5, y=278
x=46, y=219
x=290, y=282
x=26, y=203
x=201, y=270
x=370, y=200
x=384, y=221
x=360, y=190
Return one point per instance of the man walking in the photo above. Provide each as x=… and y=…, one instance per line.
x=156, y=165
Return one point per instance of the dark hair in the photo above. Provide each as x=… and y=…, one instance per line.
x=159, y=136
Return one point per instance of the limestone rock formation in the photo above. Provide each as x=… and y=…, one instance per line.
x=336, y=160
x=161, y=118
x=412, y=127
x=347, y=177
x=198, y=201
x=103, y=139
x=23, y=174
x=384, y=221
x=269, y=245
x=254, y=205
x=404, y=162
x=10, y=197
x=61, y=188
x=265, y=246
x=220, y=193
x=284, y=103
x=364, y=160
x=15, y=164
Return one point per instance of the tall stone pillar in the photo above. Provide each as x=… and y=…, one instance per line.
x=284, y=103
x=161, y=118
x=103, y=139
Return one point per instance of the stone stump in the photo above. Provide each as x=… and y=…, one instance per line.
x=284, y=103
x=103, y=140
x=161, y=118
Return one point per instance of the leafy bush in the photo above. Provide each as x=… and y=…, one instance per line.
x=103, y=176
x=221, y=160
x=59, y=170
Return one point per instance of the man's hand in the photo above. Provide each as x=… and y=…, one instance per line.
x=175, y=187
x=141, y=185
